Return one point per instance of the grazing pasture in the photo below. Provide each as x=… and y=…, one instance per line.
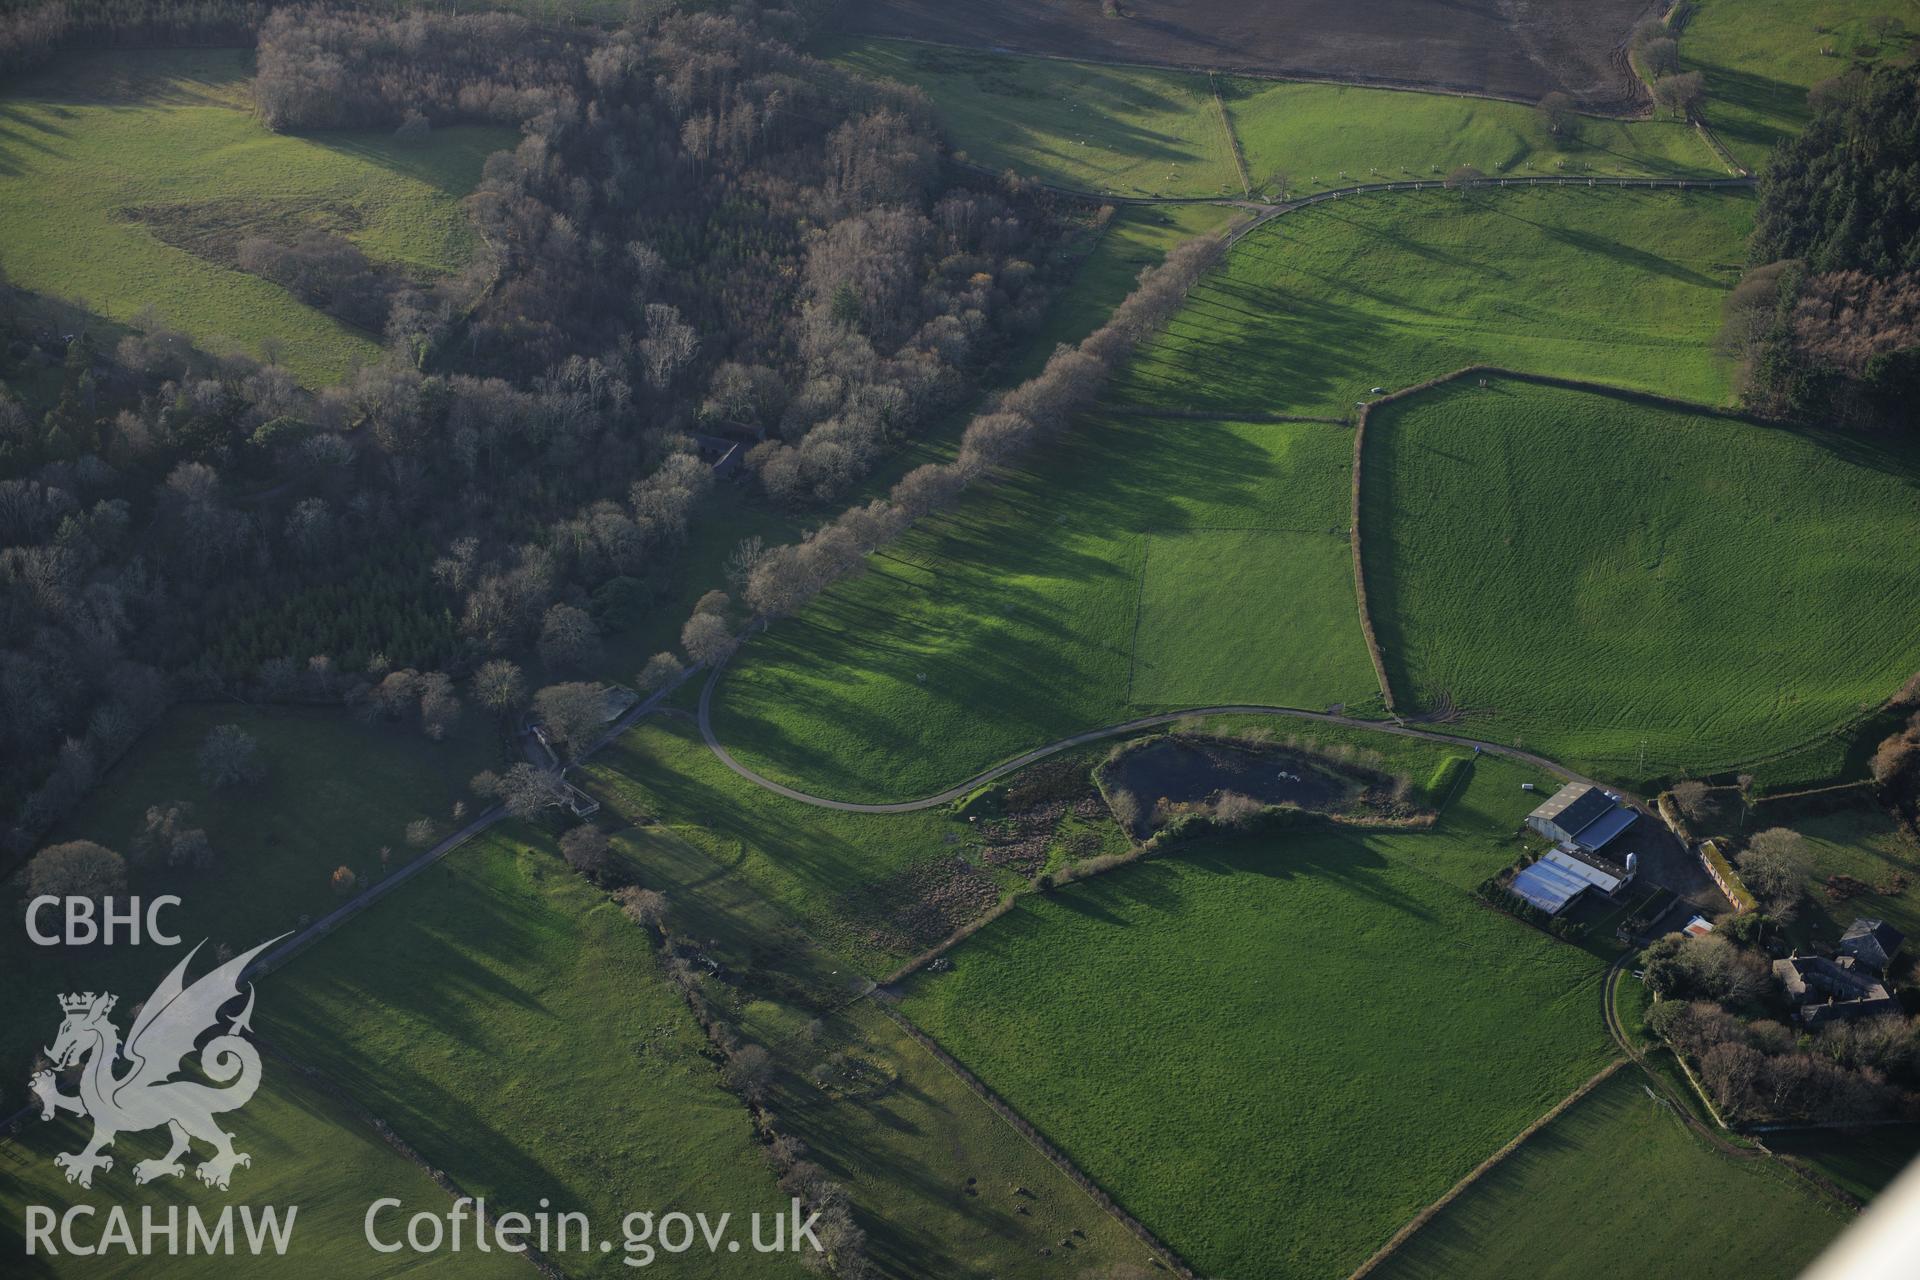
x=125, y=178
x=1017, y=617
x=1759, y=58
x=1561, y=44
x=1133, y=131
x=1318, y=307
x=930, y=1167
x=933, y=1170
x=838, y=876
x=309, y=1150
x=1325, y=135
x=1125, y=131
x=1862, y=1161
x=1862, y=862
x=1276, y=1049
x=513, y=1026
x=1240, y=615
x=336, y=792
x=1618, y=1167
x=1634, y=589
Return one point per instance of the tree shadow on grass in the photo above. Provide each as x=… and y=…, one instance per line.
x=23, y=131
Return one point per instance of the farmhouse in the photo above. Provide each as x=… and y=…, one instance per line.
x=1582, y=816
x=1563, y=874
x=1831, y=990
x=1872, y=944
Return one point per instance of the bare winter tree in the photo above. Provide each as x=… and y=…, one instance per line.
x=707, y=638
x=573, y=714
x=661, y=670
x=586, y=850
x=643, y=906
x=569, y=640
x=1691, y=796
x=230, y=756
x=499, y=687
x=1556, y=111
x=1680, y=94
x=76, y=869
x=670, y=343
x=1775, y=863
x=523, y=790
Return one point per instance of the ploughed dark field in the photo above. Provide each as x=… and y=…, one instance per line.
x=1509, y=48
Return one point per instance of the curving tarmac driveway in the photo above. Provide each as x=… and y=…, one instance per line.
x=1125, y=727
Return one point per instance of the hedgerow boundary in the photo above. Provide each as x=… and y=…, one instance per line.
x=1454, y=1192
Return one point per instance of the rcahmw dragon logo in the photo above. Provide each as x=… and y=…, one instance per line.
x=144, y=1095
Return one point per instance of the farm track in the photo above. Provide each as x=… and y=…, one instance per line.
x=1681, y=1107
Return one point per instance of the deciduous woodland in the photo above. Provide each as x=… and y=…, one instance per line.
x=701, y=232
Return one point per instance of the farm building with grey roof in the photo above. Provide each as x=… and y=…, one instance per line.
x=1582, y=815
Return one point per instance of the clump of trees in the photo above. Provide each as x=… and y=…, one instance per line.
x=169, y=838
x=1759, y=1070
x=1896, y=761
x=1656, y=56
x=1826, y=324
x=1718, y=1006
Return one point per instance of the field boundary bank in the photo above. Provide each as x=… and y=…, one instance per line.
x=1233, y=139
x=1265, y=211
x=1432, y=1211
x=1209, y=415
x=1643, y=108
x=1124, y=727
x=1039, y=1142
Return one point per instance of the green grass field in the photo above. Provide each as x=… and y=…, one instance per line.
x=906, y=1144
x=1866, y=843
x=1862, y=1161
x=170, y=134
x=1618, y=1174
x=1010, y=621
x=810, y=864
x=1634, y=589
x=907, y=1150
x=1760, y=57
x=337, y=791
x=308, y=1151
x=1327, y=135
x=1125, y=131
x=1315, y=309
x=1230, y=615
x=1322, y=1031
x=508, y=1022
x=1133, y=131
